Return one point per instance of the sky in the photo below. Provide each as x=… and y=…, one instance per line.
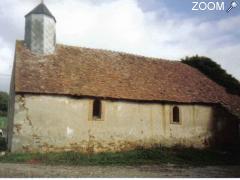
x=167, y=29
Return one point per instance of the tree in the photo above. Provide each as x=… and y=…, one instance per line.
x=3, y=103
x=215, y=72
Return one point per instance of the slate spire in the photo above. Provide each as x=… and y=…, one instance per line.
x=41, y=9
x=40, y=30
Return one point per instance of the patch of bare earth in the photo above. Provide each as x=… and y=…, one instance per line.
x=36, y=170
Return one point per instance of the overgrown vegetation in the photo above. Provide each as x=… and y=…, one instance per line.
x=160, y=155
x=3, y=108
x=3, y=144
x=3, y=103
x=2, y=122
x=215, y=72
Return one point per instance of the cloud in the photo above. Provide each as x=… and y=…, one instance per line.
x=123, y=25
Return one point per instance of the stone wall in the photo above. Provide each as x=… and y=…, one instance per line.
x=59, y=123
x=11, y=109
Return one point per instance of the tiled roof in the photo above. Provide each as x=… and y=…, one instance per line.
x=99, y=73
x=41, y=9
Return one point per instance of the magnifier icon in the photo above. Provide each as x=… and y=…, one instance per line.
x=233, y=4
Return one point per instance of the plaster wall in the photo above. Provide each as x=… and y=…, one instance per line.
x=58, y=123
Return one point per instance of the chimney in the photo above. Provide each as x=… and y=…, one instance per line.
x=40, y=30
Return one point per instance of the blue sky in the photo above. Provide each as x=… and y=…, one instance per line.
x=166, y=29
x=184, y=7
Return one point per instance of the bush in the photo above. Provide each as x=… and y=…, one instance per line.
x=215, y=72
x=3, y=121
x=3, y=144
x=3, y=103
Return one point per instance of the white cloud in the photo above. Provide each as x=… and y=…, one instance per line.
x=122, y=25
x=5, y=55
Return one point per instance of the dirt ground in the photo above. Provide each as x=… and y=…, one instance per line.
x=29, y=170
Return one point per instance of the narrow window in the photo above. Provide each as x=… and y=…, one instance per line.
x=97, y=108
x=176, y=114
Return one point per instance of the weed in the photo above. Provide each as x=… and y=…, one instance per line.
x=159, y=155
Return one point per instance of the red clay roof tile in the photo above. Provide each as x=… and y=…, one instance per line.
x=99, y=73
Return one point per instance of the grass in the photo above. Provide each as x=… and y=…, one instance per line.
x=160, y=155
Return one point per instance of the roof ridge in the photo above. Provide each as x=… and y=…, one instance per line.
x=118, y=52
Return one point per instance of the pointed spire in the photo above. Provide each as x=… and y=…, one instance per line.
x=37, y=22
x=41, y=9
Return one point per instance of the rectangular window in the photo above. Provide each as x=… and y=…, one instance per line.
x=97, y=109
x=175, y=115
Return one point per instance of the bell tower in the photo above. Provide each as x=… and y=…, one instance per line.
x=40, y=30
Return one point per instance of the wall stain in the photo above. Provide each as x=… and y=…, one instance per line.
x=26, y=148
x=98, y=146
x=23, y=102
x=151, y=122
x=18, y=127
x=90, y=146
x=164, y=119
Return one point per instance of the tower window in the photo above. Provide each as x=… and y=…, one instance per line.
x=176, y=118
x=97, y=109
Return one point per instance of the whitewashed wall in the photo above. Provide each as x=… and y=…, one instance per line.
x=58, y=123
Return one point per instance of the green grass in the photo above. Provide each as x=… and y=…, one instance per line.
x=160, y=155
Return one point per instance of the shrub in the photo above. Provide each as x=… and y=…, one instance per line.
x=3, y=144
x=3, y=103
x=215, y=72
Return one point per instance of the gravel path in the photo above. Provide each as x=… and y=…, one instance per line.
x=28, y=170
